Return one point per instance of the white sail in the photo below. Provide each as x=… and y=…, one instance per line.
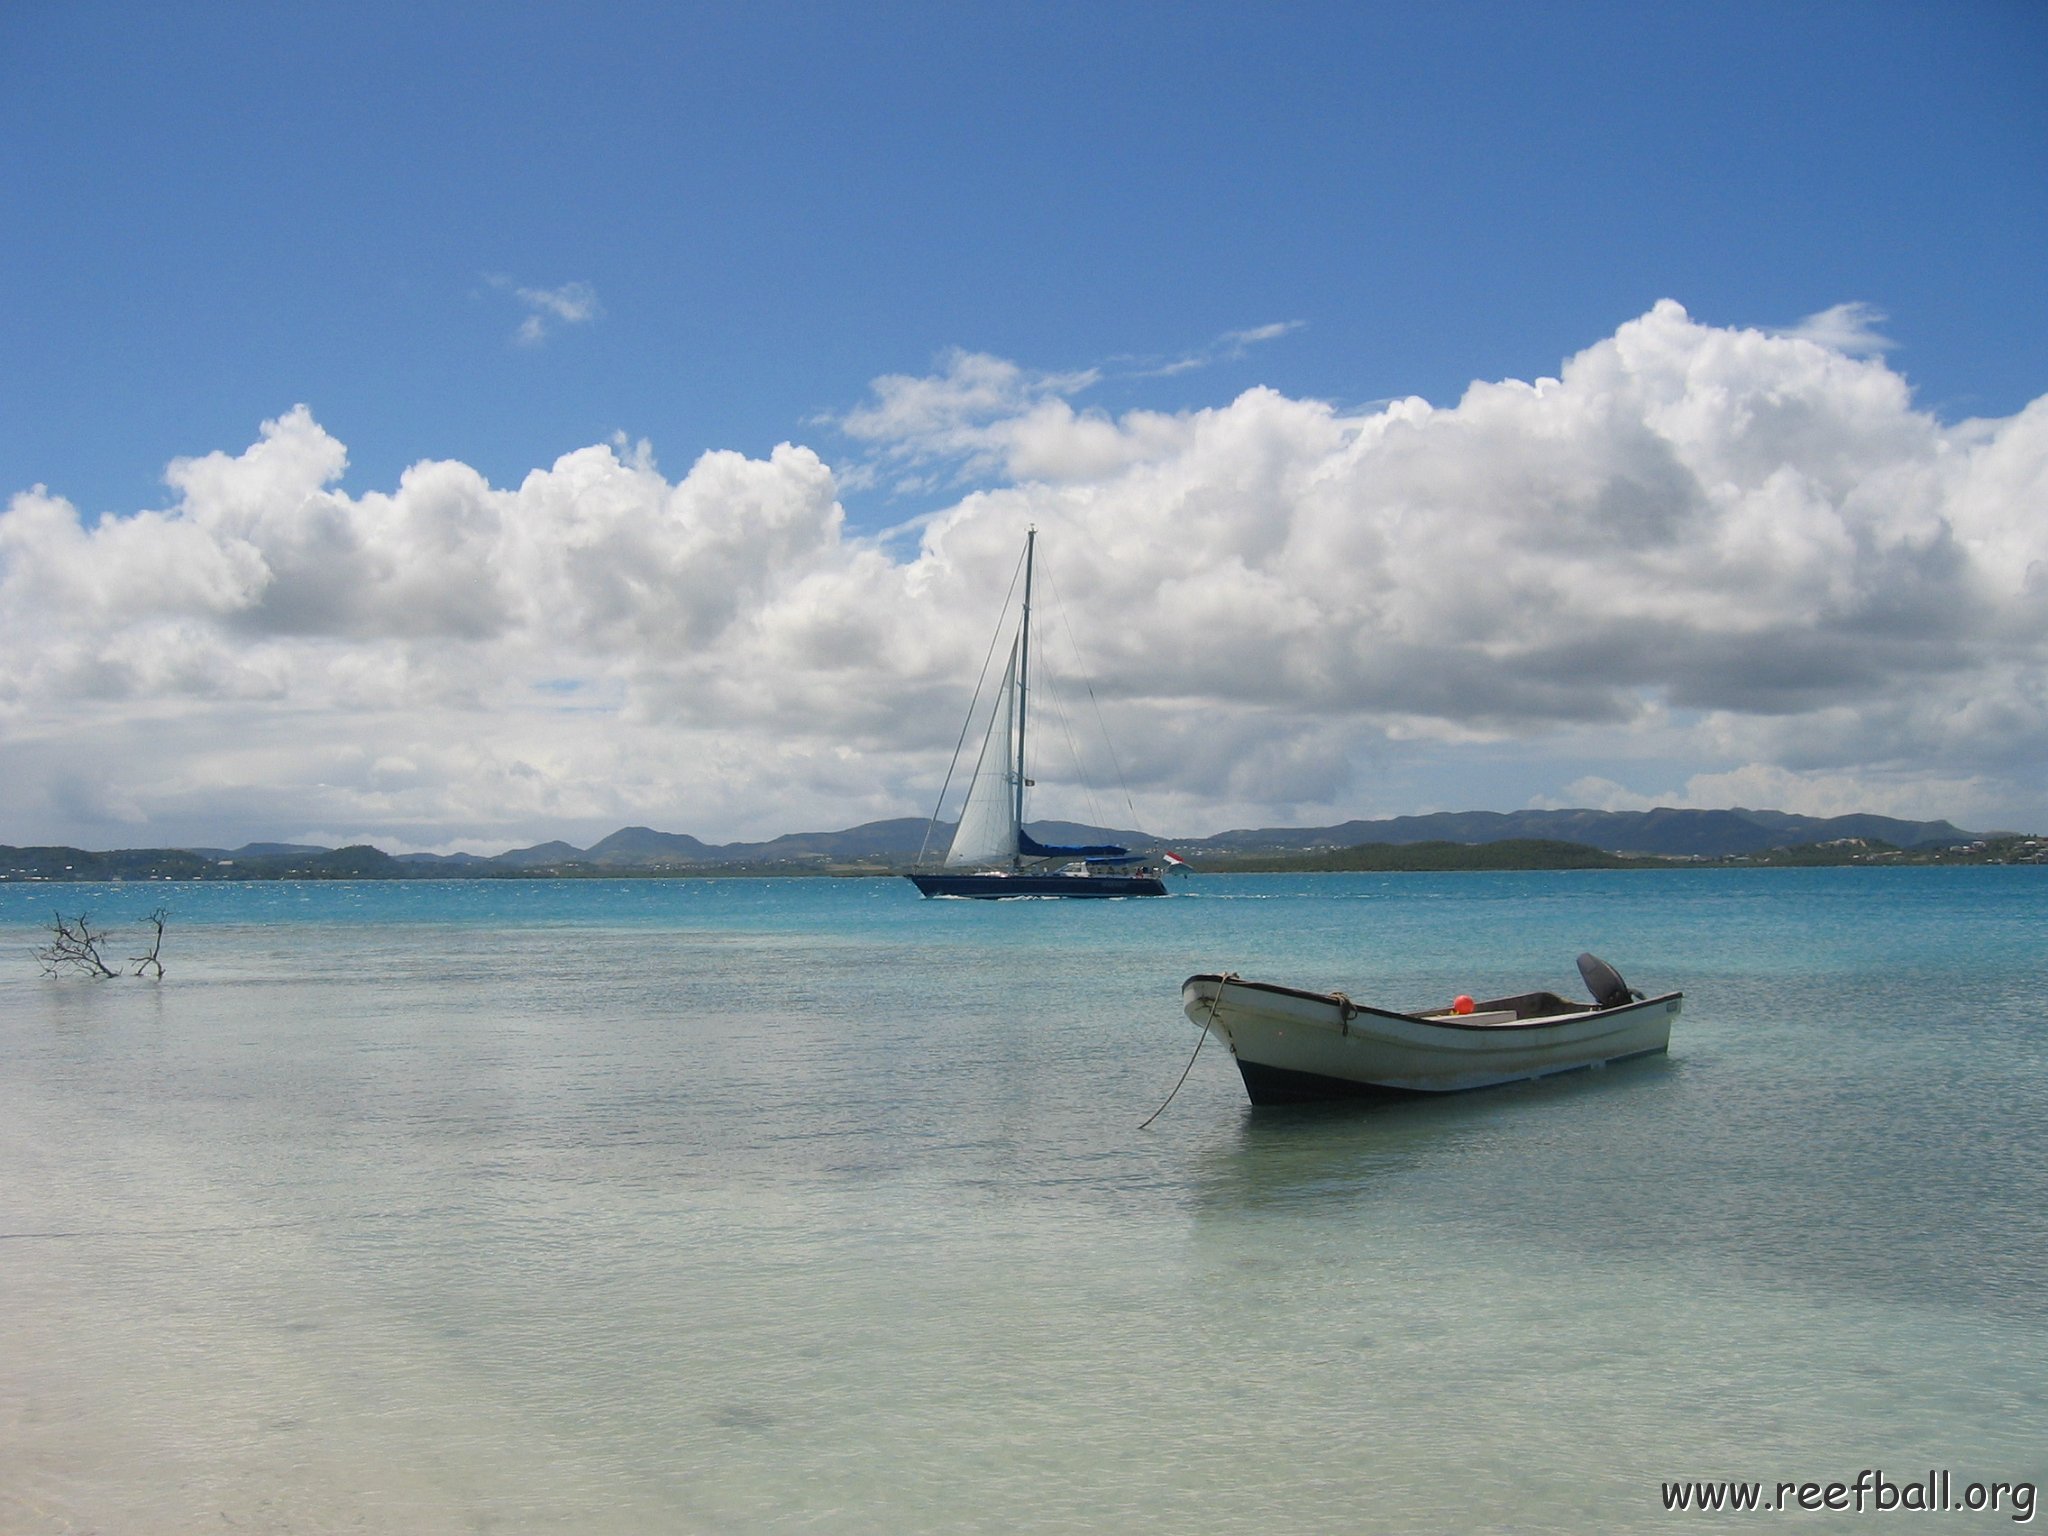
x=987, y=833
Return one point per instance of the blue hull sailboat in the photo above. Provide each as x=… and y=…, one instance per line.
x=992, y=856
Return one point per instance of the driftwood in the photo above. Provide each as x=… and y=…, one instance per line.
x=75, y=948
x=150, y=962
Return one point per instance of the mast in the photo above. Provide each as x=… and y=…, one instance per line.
x=1023, y=684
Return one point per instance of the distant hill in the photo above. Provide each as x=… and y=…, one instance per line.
x=538, y=856
x=1665, y=832
x=644, y=848
x=881, y=846
x=302, y=863
x=258, y=851
x=900, y=837
x=1507, y=853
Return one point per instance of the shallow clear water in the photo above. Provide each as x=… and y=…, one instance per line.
x=811, y=1206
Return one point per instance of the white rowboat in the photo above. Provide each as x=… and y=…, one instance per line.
x=1293, y=1045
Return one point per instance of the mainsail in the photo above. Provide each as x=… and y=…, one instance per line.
x=987, y=833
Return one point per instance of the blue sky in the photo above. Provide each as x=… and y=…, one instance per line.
x=495, y=236
x=221, y=211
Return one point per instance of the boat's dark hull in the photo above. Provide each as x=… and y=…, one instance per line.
x=1276, y=1085
x=999, y=887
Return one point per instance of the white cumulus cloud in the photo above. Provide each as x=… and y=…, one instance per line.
x=1700, y=565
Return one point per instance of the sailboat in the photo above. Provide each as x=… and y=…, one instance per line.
x=992, y=856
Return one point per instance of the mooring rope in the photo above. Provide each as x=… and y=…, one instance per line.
x=1221, y=982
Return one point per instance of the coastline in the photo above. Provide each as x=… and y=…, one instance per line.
x=63, y=865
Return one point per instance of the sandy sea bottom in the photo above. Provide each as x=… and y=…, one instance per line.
x=809, y=1206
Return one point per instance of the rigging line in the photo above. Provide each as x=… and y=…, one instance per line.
x=993, y=641
x=1221, y=982
x=1056, y=703
x=1067, y=717
x=1070, y=725
x=1047, y=687
x=1081, y=671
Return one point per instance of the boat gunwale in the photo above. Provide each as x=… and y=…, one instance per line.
x=1350, y=1009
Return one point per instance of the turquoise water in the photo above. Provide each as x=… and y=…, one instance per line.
x=775, y=1206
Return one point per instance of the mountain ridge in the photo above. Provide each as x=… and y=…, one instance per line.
x=895, y=843
x=1664, y=831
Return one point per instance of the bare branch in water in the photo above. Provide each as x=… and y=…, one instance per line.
x=150, y=962
x=74, y=946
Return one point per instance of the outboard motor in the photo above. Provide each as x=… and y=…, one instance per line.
x=1605, y=983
